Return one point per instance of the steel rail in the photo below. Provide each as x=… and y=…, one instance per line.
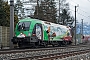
x=20, y=54
x=56, y=56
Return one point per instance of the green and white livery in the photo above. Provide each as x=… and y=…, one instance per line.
x=34, y=32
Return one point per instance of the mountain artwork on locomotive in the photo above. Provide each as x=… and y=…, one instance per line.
x=34, y=32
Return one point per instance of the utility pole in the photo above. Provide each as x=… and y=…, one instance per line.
x=75, y=26
x=80, y=35
x=37, y=8
x=82, y=28
x=59, y=12
x=11, y=21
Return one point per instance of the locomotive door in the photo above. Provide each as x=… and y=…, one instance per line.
x=39, y=31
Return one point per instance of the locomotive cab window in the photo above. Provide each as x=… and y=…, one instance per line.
x=23, y=26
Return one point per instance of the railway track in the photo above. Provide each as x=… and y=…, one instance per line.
x=56, y=56
x=44, y=53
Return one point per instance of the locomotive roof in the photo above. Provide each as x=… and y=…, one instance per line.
x=43, y=22
x=28, y=19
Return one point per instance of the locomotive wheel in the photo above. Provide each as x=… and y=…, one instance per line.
x=53, y=45
x=45, y=45
x=19, y=45
x=70, y=43
x=36, y=45
x=65, y=43
x=59, y=44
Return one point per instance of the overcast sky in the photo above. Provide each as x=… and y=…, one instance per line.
x=83, y=9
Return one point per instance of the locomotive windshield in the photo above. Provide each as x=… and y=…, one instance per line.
x=23, y=26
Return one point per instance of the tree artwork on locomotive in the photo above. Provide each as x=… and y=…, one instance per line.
x=33, y=33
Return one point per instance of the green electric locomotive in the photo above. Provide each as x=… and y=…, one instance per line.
x=34, y=32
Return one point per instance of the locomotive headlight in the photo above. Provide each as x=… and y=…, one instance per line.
x=21, y=33
x=29, y=34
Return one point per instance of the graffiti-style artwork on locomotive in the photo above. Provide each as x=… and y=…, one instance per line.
x=33, y=32
x=58, y=32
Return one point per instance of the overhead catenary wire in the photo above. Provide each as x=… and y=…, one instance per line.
x=78, y=4
x=74, y=2
x=81, y=14
x=80, y=9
